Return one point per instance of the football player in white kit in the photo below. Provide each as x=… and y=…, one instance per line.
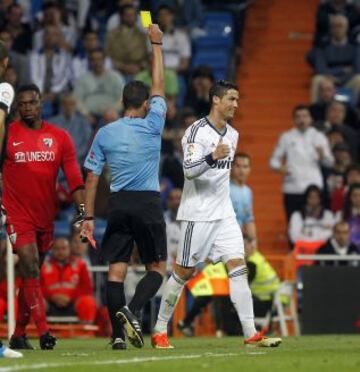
x=208, y=225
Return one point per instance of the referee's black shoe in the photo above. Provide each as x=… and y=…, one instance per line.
x=20, y=343
x=132, y=326
x=47, y=341
x=118, y=344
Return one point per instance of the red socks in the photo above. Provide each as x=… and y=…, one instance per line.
x=23, y=316
x=35, y=303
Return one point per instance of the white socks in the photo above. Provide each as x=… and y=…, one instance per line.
x=240, y=295
x=169, y=299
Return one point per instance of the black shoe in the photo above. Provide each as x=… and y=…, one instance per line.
x=47, y=342
x=20, y=343
x=131, y=326
x=118, y=344
x=185, y=329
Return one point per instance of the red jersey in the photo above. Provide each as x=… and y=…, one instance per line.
x=71, y=279
x=32, y=163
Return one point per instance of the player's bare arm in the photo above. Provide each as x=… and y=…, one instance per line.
x=91, y=184
x=157, y=72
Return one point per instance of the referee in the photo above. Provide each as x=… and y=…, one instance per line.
x=130, y=147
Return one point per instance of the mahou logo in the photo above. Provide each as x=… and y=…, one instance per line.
x=48, y=142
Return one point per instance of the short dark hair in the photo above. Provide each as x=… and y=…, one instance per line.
x=242, y=155
x=124, y=8
x=134, y=94
x=220, y=88
x=28, y=88
x=300, y=108
x=3, y=51
x=352, y=168
x=204, y=71
x=166, y=7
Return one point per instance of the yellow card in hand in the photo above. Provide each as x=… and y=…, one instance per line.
x=146, y=20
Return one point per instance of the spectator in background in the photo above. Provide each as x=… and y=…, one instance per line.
x=298, y=156
x=338, y=59
x=334, y=177
x=339, y=244
x=11, y=77
x=197, y=96
x=189, y=15
x=352, y=176
x=114, y=20
x=99, y=89
x=335, y=119
x=313, y=222
x=172, y=226
x=176, y=45
x=78, y=248
x=79, y=10
x=75, y=124
x=327, y=94
x=334, y=137
x=81, y=60
x=20, y=32
x=330, y=8
x=351, y=213
x=131, y=58
x=17, y=60
x=170, y=80
x=66, y=284
x=242, y=197
x=50, y=68
x=171, y=90
x=54, y=16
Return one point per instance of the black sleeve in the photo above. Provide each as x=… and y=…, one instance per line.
x=251, y=271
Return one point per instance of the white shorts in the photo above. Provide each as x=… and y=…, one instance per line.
x=219, y=240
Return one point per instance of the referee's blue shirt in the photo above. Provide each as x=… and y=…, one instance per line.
x=131, y=149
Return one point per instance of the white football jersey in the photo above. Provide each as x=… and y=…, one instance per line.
x=206, y=193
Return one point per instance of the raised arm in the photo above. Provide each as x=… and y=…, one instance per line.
x=157, y=70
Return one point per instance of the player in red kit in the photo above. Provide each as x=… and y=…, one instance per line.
x=35, y=152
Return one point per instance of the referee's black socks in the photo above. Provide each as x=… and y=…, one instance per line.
x=115, y=298
x=145, y=290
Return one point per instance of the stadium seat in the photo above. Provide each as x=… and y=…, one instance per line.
x=62, y=229
x=219, y=28
x=211, y=58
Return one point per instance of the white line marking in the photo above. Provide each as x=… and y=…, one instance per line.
x=24, y=367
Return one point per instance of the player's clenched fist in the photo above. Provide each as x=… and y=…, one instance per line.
x=222, y=151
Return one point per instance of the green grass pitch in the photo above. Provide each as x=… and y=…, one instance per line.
x=307, y=353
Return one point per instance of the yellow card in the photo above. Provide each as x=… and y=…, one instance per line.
x=146, y=20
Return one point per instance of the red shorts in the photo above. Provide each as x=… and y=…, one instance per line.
x=21, y=234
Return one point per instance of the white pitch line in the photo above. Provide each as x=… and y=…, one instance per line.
x=114, y=361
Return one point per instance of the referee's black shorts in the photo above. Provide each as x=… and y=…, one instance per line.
x=134, y=216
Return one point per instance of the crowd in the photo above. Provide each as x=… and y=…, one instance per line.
x=319, y=156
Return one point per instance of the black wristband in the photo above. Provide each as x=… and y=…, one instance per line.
x=209, y=159
x=89, y=218
x=156, y=43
